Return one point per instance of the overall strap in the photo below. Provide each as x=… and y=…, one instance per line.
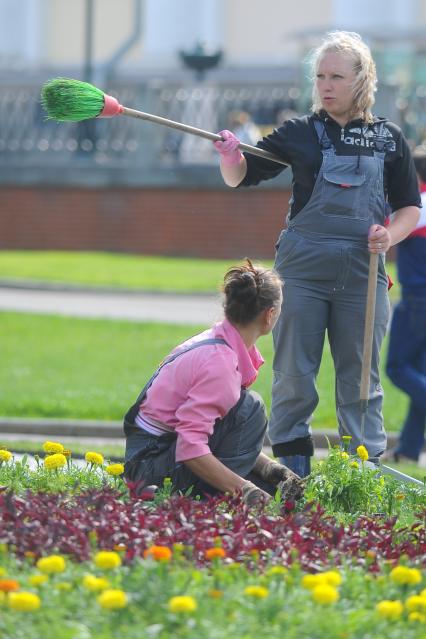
x=323, y=139
x=133, y=411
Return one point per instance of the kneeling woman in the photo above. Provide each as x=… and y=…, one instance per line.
x=195, y=421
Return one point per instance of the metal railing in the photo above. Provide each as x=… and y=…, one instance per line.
x=124, y=149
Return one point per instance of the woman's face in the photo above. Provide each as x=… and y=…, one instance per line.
x=334, y=82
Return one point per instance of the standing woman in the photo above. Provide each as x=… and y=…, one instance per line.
x=195, y=421
x=347, y=164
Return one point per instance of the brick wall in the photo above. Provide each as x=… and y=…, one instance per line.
x=203, y=223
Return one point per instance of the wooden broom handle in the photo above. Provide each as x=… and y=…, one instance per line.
x=254, y=150
x=364, y=391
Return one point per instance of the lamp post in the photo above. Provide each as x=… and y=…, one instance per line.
x=87, y=132
x=200, y=59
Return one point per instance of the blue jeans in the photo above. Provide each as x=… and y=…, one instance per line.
x=236, y=441
x=406, y=367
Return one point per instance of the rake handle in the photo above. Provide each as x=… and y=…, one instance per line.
x=370, y=310
x=254, y=150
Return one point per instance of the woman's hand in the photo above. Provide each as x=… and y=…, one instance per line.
x=228, y=148
x=379, y=239
x=253, y=495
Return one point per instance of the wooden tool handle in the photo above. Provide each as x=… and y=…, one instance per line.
x=254, y=150
x=370, y=310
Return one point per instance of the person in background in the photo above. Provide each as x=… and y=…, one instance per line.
x=347, y=165
x=406, y=358
x=244, y=127
x=196, y=421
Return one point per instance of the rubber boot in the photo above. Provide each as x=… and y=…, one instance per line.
x=299, y=464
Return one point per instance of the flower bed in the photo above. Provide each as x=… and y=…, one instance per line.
x=74, y=539
x=164, y=595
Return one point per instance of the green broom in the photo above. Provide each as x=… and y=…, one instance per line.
x=67, y=100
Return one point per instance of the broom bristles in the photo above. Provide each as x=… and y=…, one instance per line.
x=71, y=100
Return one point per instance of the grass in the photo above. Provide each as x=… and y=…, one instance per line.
x=114, y=270
x=122, y=271
x=93, y=369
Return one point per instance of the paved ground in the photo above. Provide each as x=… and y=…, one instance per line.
x=155, y=307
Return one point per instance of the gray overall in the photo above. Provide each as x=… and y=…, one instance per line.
x=236, y=441
x=323, y=259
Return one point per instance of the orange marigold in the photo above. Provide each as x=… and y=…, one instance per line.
x=8, y=585
x=159, y=553
x=215, y=553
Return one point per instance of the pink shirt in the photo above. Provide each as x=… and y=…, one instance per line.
x=201, y=386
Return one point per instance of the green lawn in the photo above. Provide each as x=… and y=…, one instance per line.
x=114, y=270
x=121, y=271
x=93, y=369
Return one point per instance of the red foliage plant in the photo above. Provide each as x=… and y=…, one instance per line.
x=39, y=523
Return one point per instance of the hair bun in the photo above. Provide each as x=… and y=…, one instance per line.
x=248, y=290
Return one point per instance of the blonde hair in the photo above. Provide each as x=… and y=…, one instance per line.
x=365, y=84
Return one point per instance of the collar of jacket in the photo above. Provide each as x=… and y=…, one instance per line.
x=324, y=117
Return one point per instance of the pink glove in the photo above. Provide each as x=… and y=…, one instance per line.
x=228, y=148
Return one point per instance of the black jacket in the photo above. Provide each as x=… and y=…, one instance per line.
x=296, y=142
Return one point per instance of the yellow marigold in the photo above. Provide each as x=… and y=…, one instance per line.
x=115, y=469
x=416, y=603
x=215, y=553
x=354, y=464
x=311, y=581
x=3, y=571
x=112, y=599
x=182, y=603
x=37, y=580
x=423, y=593
x=344, y=455
x=362, y=453
x=94, y=458
x=51, y=564
x=400, y=496
x=5, y=455
x=55, y=461
x=95, y=584
x=325, y=594
x=67, y=452
x=29, y=554
x=9, y=585
x=259, y=592
x=390, y=609
x=332, y=577
x=403, y=575
x=417, y=616
x=159, y=553
x=215, y=594
x=52, y=448
x=24, y=601
x=107, y=559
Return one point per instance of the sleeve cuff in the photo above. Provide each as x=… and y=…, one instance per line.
x=185, y=451
x=300, y=446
